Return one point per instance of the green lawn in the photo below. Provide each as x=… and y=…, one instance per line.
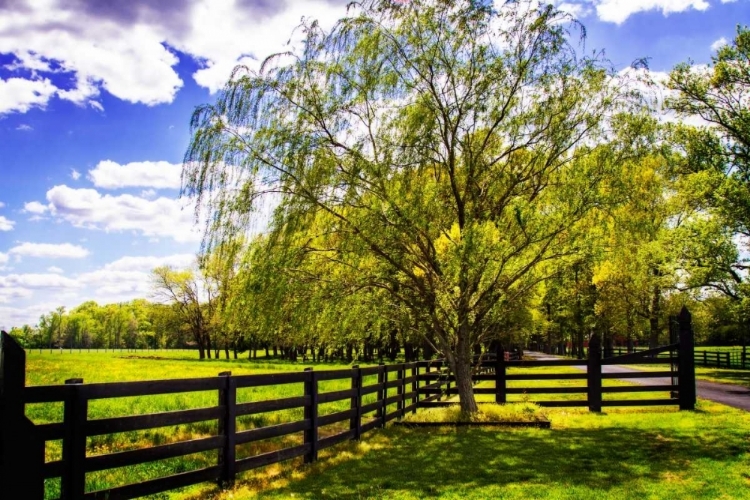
x=621, y=454
x=54, y=368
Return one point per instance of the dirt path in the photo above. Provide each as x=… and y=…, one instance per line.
x=730, y=395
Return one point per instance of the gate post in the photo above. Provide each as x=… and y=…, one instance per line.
x=594, y=373
x=21, y=449
x=355, y=422
x=311, y=414
x=686, y=371
x=500, y=380
x=228, y=429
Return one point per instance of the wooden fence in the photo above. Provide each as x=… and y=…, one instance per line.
x=680, y=376
x=730, y=359
x=419, y=384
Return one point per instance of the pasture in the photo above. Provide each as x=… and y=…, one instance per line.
x=622, y=453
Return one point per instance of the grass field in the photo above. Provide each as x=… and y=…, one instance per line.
x=623, y=453
x=54, y=368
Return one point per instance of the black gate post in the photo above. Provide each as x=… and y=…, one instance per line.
x=594, y=373
x=311, y=414
x=355, y=423
x=75, y=413
x=687, y=362
x=500, y=380
x=21, y=449
x=228, y=429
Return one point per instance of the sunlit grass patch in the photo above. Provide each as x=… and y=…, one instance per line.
x=488, y=412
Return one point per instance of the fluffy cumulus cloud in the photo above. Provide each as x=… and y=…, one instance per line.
x=35, y=207
x=129, y=277
x=21, y=94
x=124, y=279
x=6, y=224
x=147, y=174
x=130, y=48
x=718, y=44
x=618, y=11
x=49, y=250
x=37, y=281
x=87, y=208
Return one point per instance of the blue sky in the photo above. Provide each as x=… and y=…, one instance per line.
x=95, y=101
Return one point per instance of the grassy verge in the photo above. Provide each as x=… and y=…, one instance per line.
x=622, y=454
x=723, y=376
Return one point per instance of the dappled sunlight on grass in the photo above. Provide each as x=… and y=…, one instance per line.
x=624, y=453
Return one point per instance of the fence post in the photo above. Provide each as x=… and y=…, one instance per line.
x=311, y=414
x=705, y=358
x=415, y=386
x=228, y=429
x=500, y=380
x=382, y=394
x=686, y=371
x=21, y=450
x=729, y=363
x=355, y=424
x=594, y=373
x=75, y=413
x=401, y=390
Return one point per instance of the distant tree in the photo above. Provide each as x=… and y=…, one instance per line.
x=183, y=288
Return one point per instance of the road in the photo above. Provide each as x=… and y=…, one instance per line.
x=730, y=395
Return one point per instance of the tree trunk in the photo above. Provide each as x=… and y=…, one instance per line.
x=462, y=369
x=653, y=319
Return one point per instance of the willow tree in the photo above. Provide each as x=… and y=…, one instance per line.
x=448, y=143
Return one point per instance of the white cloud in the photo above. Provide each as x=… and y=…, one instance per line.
x=151, y=174
x=718, y=44
x=147, y=263
x=20, y=94
x=37, y=281
x=88, y=208
x=130, y=277
x=2, y=204
x=24, y=128
x=125, y=48
x=5, y=224
x=54, y=270
x=35, y=207
x=17, y=316
x=75, y=174
x=8, y=295
x=618, y=11
x=4, y=258
x=49, y=250
x=576, y=10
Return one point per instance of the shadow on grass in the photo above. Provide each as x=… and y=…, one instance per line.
x=480, y=462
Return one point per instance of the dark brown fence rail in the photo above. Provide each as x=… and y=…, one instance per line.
x=418, y=384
